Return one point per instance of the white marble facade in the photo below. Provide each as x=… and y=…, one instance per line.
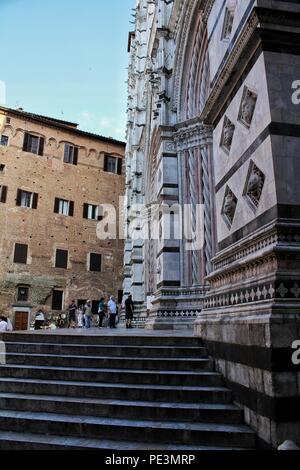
x=211, y=122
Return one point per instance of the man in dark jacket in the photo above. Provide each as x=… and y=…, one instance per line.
x=129, y=311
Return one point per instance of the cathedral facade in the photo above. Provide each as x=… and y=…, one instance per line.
x=213, y=158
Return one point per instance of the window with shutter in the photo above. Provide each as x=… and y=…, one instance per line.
x=95, y=262
x=120, y=164
x=91, y=211
x=33, y=144
x=70, y=154
x=71, y=208
x=61, y=259
x=35, y=199
x=3, y=194
x=110, y=164
x=20, y=254
x=63, y=207
x=27, y=199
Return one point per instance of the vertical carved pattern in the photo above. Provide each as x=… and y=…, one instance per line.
x=207, y=208
x=193, y=201
x=193, y=73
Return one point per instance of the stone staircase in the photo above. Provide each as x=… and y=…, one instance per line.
x=115, y=393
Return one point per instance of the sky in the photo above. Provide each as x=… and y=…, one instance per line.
x=67, y=59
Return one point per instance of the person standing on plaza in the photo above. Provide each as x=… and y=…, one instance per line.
x=129, y=311
x=72, y=314
x=101, y=312
x=112, y=311
x=88, y=314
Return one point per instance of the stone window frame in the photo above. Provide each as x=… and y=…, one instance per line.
x=228, y=21
x=23, y=286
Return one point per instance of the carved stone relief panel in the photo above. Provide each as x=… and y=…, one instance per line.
x=227, y=135
x=247, y=108
x=229, y=207
x=254, y=185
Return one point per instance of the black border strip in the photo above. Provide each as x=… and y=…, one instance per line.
x=168, y=249
x=270, y=359
x=278, y=409
x=283, y=211
x=169, y=284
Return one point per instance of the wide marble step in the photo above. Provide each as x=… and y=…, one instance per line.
x=29, y=441
x=132, y=392
x=122, y=362
x=89, y=339
x=124, y=376
x=107, y=350
x=138, y=430
x=194, y=412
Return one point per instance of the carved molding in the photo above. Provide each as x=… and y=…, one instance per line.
x=227, y=70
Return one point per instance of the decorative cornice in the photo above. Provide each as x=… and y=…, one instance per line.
x=209, y=112
x=193, y=135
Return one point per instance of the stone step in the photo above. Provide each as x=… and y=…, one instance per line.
x=107, y=350
x=209, y=413
x=28, y=441
x=120, y=339
x=133, y=392
x=138, y=430
x=123, y=376
x=122, y=362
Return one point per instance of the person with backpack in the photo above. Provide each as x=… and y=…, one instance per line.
x=129, y=311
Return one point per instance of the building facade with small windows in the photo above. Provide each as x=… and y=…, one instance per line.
x=53, y=180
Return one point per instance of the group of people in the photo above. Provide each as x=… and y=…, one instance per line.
x=83, y=316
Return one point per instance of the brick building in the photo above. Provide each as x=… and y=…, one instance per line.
x=53, y=177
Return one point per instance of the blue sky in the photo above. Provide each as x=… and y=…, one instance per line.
x=67, y=59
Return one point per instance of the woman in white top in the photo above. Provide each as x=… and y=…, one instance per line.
x=3, y=324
